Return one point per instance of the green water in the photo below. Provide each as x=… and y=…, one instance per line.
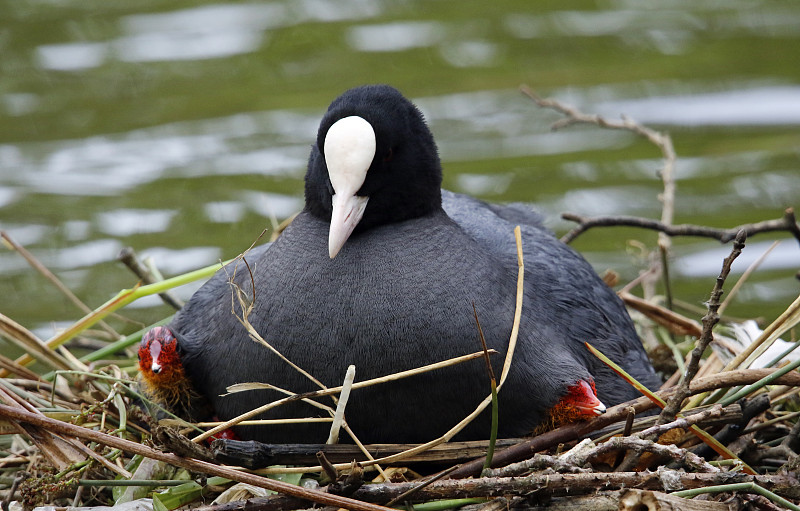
x=180, y=128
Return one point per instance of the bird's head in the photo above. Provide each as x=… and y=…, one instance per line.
x=579, y=403
x=375, y=162
x=159, y=357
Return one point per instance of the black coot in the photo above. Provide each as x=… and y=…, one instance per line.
x=374, y=272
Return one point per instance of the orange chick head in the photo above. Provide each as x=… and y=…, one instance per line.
x=159, y=359
x=580, y=402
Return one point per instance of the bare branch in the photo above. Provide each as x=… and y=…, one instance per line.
x=128, y=257
x=641, y=445
x=574, y=116
x=555, y=484
x=709, y=321
x=657, y=138
x=787, y=223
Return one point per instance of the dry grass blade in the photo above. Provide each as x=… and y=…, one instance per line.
x=8, y=367
x=29, y=342
x=789, y=319
x=259, y=422
x=786, y=321
x=671, y=320
x=241, y=387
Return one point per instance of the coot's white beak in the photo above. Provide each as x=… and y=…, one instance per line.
x=349, y=150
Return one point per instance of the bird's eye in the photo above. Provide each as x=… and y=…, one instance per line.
x=389, y=155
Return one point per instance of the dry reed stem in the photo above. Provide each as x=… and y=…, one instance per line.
x=9, y=367
x=257, y=422
x=187, y=463
x=674, y=322
x=32, y=345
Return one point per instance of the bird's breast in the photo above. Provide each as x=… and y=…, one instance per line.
x=391, y=300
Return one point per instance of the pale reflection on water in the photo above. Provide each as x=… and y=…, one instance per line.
x=208, y=32
x=124, y=222
x=768, y=106
x=708, y=262
x=174, y=261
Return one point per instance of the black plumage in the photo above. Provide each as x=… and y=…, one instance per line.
x=399, y=294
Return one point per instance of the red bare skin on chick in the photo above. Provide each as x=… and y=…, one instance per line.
x=164, y=377
x=161, y=368
x=579, y=403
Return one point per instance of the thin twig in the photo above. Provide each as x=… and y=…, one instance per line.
x=682, y=422
x=787, y=223
x=548, y=483
x=574, y=116
x=657, y=138
x=709, y=321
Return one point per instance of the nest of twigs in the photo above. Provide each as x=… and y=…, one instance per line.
x=74, y=434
